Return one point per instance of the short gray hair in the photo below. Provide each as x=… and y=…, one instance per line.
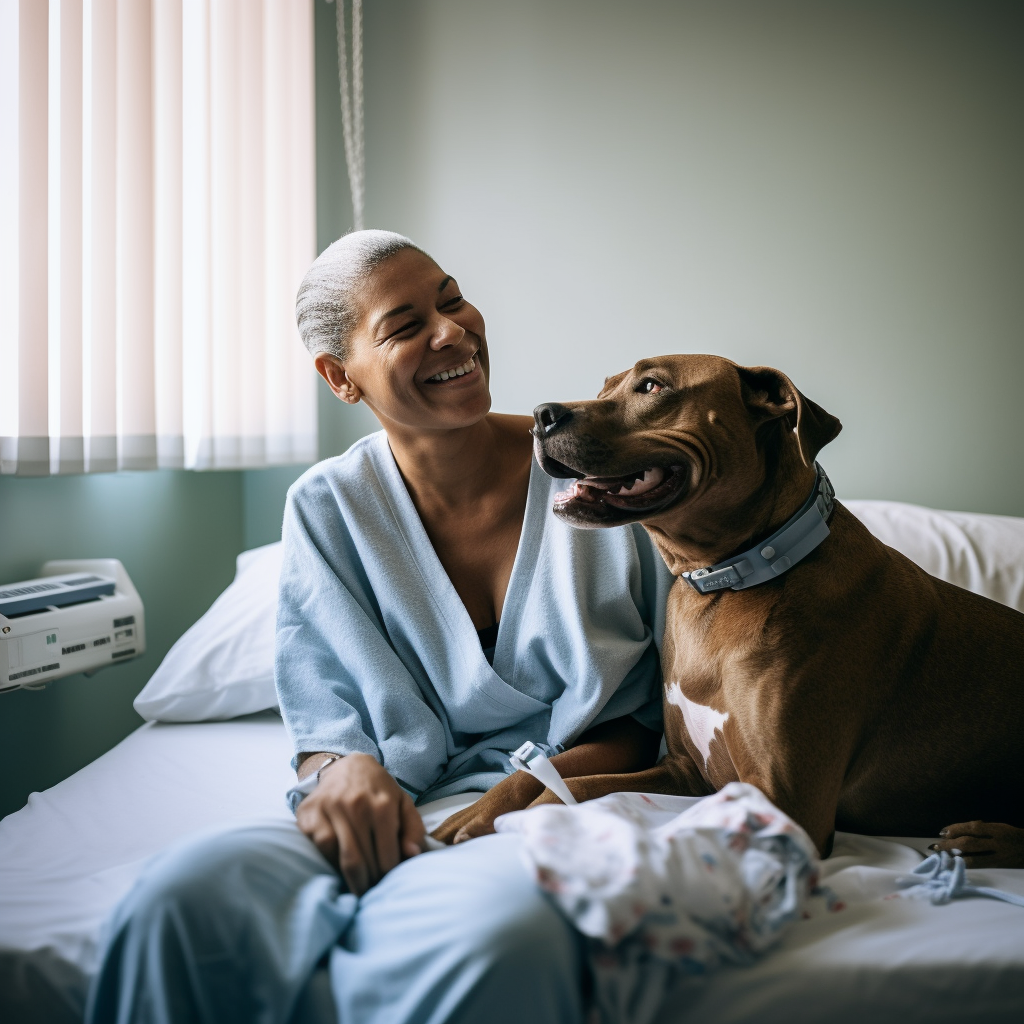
x=325, y=307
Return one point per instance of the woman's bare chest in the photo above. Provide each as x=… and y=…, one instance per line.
x=478, y=553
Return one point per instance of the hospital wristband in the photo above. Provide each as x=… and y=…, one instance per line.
x=305, y=786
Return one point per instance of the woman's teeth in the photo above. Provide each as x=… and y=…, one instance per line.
x=459, y=371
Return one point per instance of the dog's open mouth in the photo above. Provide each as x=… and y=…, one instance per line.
x=642, y=492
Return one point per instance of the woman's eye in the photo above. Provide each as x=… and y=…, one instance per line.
x=649, y=387
x=452, y=303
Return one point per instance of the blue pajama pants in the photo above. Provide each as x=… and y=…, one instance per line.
x=252, y=926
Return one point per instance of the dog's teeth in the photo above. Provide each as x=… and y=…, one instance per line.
x=648, y=481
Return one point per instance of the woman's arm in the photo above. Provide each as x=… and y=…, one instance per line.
x=620, y=746
x=337, y=678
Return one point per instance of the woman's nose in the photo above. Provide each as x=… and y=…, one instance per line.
x=446, y=334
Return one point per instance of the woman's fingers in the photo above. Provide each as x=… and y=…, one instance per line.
x=352, y=860
x=361, y=820
x=316, y=825
x=410, y=826
x=384, y=832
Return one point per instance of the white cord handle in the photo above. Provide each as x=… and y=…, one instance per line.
x=530, y=759
x=352, y=105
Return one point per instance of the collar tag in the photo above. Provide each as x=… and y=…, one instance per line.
x=794, y=541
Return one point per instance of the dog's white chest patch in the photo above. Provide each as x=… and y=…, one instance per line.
x=701, y=722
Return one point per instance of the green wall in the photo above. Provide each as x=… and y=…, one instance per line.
x=176, y=533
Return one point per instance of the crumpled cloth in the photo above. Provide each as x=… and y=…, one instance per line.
x=942, y=877
x=716, y=884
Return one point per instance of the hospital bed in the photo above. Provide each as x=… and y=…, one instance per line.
x=220, y=756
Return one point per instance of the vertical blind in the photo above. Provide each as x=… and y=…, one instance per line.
x=157, y=212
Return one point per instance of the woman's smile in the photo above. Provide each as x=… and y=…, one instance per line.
x=459, y=372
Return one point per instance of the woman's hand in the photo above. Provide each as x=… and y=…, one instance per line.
x=361, y=820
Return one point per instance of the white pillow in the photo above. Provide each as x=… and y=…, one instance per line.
x=982, y=553
x=223, y=666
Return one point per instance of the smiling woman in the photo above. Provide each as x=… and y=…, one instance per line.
x=433, y=617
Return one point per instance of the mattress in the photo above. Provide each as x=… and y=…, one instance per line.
x=74, y=850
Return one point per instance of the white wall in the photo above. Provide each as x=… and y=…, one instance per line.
x=832, y=189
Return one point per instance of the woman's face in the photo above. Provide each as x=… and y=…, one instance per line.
x=418, y=355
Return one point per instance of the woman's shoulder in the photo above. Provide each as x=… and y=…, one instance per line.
x=348, y=468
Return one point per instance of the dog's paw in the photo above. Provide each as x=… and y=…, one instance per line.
x=451, y=826
x=983, y=844
x=511, y=794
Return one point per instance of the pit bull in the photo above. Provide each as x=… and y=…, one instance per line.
x=801, y=654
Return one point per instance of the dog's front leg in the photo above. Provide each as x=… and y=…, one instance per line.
x=621, y=744
x=806, y=787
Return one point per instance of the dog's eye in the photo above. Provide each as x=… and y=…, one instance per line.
x=649, y=386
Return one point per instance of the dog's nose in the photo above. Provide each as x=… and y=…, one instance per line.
x=549, y=417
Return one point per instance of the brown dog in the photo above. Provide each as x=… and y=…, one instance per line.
x=855, y=690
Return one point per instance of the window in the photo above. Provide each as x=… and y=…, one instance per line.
x=157, y=213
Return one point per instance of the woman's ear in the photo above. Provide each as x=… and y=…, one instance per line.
x=770, y=395
x=333, y=371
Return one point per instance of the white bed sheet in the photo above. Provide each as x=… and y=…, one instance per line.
x=73, y=851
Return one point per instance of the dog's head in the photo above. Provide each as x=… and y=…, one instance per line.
x=679, y=437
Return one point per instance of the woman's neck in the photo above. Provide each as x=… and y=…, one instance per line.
x=458, y=467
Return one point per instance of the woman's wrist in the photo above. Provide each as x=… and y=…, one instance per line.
x=315, y=763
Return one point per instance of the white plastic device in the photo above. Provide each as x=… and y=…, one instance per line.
x=96, y=619
x=531, y=759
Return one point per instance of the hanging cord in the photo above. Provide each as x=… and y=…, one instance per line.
x=352, y=104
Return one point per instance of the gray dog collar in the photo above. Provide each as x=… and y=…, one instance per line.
x=781, y=551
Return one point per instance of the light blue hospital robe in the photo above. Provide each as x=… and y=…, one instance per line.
x=377, y=654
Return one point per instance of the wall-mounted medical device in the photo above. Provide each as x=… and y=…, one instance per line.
x=79, y=615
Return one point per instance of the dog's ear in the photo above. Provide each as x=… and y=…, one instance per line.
x=610, y=383
x=771, y=395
